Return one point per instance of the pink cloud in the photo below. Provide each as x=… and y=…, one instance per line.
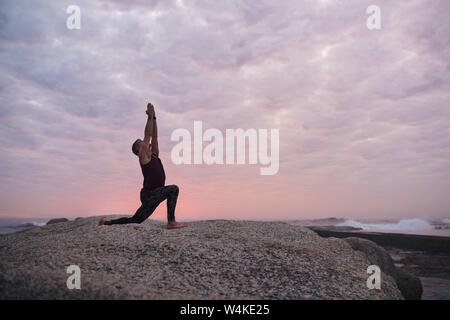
x=363, y=116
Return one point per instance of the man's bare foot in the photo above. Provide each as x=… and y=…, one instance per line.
x=101, y=222
x=175, y=225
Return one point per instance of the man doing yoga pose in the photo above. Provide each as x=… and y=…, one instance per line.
x=154, y=191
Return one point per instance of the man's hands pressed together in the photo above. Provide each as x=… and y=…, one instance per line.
x=152, y=130
x=150, y=110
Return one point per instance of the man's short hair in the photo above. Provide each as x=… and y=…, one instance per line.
x=134, y=147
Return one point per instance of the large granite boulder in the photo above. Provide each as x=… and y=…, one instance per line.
x=409, y=285
x=214, y=259
x=58, y=220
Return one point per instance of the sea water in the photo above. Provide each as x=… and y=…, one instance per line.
x=13, y=224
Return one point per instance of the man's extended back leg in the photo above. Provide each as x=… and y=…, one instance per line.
x=140, y=216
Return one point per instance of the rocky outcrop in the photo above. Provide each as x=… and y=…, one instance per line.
x=409, y=285
x=57, y=220
x=214, y=259
x=415, y=242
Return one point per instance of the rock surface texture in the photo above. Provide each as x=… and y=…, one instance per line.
x=214, y=259
x=409, y=285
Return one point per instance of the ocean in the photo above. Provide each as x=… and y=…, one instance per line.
x=12, y=224
x=436, y=227
x=420, y=226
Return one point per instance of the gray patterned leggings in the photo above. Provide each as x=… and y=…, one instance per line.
x=149, y=204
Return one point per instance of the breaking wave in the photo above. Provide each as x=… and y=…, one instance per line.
x=405, y=224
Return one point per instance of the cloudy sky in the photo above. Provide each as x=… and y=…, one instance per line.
x=364, y=116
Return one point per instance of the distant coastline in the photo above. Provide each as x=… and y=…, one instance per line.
x=14, y=224
x=413, y=226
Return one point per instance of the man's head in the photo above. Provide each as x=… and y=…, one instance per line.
x=136, y=146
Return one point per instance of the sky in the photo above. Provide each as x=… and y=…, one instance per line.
x=363, y=115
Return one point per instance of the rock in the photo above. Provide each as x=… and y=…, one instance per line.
x=58, y=220
x=213, y=259
x=414, y=242
x=409, y=285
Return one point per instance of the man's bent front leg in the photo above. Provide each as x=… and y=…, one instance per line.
x=171, y=193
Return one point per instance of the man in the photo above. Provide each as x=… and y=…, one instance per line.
x=154, y=191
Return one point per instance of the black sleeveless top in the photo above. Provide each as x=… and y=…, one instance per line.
x=154, y=175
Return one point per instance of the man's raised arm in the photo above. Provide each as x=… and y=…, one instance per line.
x=143, y=151
x=155, y=147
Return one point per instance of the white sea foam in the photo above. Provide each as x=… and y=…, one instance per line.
x=8, y=225
x=39, y=224
x=405, y=224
